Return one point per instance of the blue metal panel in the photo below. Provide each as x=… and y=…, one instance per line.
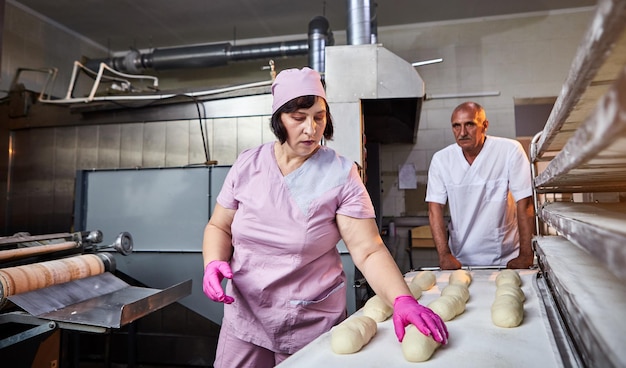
x=165, y=210
x=162, y=208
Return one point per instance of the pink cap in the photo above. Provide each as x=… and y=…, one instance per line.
x=292, y=83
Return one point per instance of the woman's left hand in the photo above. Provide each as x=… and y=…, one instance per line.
x=406, y=310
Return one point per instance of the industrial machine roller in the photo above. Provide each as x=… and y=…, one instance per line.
x=66, y=281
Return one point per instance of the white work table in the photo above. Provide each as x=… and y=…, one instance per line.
x=474, y=340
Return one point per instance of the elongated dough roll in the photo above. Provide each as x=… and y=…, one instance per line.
x=416, y=290
x=447, y=307
x=444, y=308
x=507, y=311
x=377, y=309
x=460, y=277
x=459, y=290
x=425, y=280
x=508, y=276
x=511, y=289
x=417, y=347
x=352, y=334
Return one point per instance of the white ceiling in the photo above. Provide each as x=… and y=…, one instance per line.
x=118, y=25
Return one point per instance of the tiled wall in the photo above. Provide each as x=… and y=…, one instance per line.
x=30, y=41
x=518, y=56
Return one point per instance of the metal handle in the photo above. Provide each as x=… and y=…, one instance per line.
x=123, y=244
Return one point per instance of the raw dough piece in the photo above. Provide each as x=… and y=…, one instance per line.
x=417, y=347
x=352, y=334
x=457, y=302
x=508, y=276
x=425, y=280
x=507, y=311
x=447, y=307
x=416, y=290
x=377, y=309
x=444, y=308
x=460, y=277
x=511, y=289
x=459, y=290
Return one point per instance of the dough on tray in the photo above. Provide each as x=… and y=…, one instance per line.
x=416, y=290
x=511, y=289
x=352, y=334
x=458, y=289
x=460, y=277
x=417, y=347
x=377, y=309
x=508, y=276
x=425, y=280
x=507, y=311
x=447, y=307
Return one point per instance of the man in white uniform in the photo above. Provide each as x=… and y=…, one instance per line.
x=487, y=182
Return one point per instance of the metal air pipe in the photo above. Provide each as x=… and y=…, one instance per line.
x=198, y=56
x=374, y=23
x=359, y=30
x=319, y=36
x=269, y=50
x=219, y=54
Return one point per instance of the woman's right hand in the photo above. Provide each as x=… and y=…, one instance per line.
x=214, y=273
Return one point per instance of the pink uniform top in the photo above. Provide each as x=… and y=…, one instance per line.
x=288, y=281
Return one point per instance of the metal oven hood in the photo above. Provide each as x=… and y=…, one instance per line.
x=375, y=98
x=388, y=87
x=373, y=91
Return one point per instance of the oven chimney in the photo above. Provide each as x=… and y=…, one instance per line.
x=359, y=31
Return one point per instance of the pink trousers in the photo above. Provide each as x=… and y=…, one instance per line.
x=234, y=353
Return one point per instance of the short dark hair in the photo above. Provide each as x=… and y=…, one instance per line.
x=302, y=102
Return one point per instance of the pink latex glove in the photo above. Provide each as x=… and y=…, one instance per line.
x=406, y=310
x=214, y=273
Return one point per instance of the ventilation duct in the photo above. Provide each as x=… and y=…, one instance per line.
x=359, y=30
x=212, y=55
x=384, y=91
x=319, y=36
x=374, y=23
x=199, y=56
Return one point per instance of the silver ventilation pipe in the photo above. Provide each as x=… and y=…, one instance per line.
x=269, y=50
x=199, y=56
x=205, y=56
x=211, y=55
x=374, y=24
x=320, y=35
x=359, y=30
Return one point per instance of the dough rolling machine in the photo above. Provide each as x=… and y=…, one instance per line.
x=573, y=317
x=66, y=281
